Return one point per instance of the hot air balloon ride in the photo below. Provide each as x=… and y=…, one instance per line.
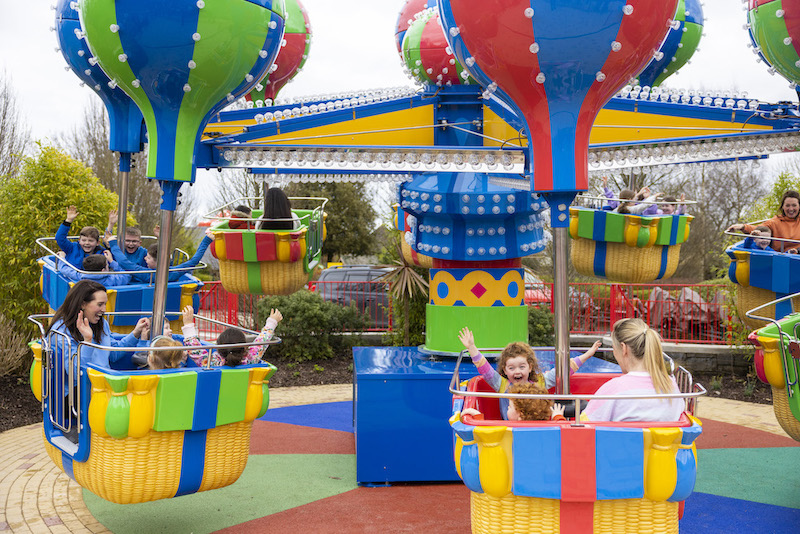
x=556, y=65
x=140, y=435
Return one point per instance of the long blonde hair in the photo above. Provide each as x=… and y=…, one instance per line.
x=644, y=343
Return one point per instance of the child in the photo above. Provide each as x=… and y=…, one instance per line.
x=230, y=336
x=668, y=206
x=759, y=239
x=96, y=263
x=165, y=359
x=150, y=260
x=533, y=409
x=241, y=212
x=88, y=243
x=637, y=349
x=134, y=251
x=517, y=365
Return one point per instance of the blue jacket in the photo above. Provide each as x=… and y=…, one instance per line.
x=98, y=357
x=146, y=278
x=75, y=253
x=106, y=278
x=137, y=256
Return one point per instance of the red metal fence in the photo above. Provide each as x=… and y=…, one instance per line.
x=681, y=313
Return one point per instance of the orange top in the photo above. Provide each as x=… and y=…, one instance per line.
x=782, y=227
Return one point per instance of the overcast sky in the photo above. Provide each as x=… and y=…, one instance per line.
x=353, y=48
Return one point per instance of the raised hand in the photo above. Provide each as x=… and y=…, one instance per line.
x=188, y=314
x=276, y=314
x=466, y=337
x=112, y=218
x=556, y=409
x=72, y=213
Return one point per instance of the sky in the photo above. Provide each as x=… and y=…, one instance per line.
x=352, y=48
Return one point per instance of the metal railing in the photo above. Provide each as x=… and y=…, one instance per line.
x=689, y=390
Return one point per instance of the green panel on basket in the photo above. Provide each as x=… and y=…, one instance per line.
x=249, y=247
x=175, y=401
x=615, y=227
x=118, y=412
x=232, y=395
x=493, y=326
x=586, y=224
x=664, y=231
x=682, y=229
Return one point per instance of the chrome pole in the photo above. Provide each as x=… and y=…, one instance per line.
x=162, y=273
x=122, y=209
x=560, y=303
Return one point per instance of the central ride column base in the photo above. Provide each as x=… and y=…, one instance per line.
x=493, y=326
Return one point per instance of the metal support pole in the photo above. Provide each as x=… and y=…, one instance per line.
x=122, y=208
x=560, y=300
x=162, y=273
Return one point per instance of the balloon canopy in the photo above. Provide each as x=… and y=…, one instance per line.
x=406, y=17
x=291, y=57
x=124, y=117
x=557, y=63
x=679, y=46
x=428, y=56
x=775, y=30
x=180, y=61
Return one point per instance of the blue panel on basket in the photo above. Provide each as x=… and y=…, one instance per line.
x=599, y=226
x=780, y=273
x=664, y=260
x=619, y=463
x=206, y=399
x=537, y=462
x=600, y=258
x=192, y=462
x=761, y=270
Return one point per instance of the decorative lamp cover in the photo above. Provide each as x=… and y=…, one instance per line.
x=558, y=63
x=406, y=17
x=124, y=117
x=679, y=46
x=291, y=57
x=180, y=61
x=775, y=29
x=428, y=56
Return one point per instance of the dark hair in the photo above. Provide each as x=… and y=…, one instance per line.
x=94, y=262
x=277, y=206
x=80, y=294
x=764, y=229
x=230, y=336
x=627, y=194
x=788, y=194
x=669, y=199
x=153, y=251
x=90, y=231
x=243, y=209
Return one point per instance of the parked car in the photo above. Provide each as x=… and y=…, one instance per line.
x=357, y=284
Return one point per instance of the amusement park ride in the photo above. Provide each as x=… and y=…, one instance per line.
x=522, y=101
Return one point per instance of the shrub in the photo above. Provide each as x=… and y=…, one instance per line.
x=540, y=327
x=15, y=355
x=312, y=327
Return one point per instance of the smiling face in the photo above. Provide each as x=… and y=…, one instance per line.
x=150, y=261
x=667, y=209
x=759, y=238
x=517, y=369
x=791, y=207
x=88, y=244
x=132, y=244
x=95, y=308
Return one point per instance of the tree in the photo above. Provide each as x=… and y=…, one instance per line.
x=14, y=134
x=88, y=143
x=351, y=217
x=34, y=204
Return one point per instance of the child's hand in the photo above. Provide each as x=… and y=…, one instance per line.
x=605, y=181
x=61, y=254
x=157, y=231
x=188, y=315
x=108, y=255
x=142, y=328
x=468, y=340
x=72, y=212
x=112, y=218
x=276, y=314
x=683, y=197
x=209, y=233
x=556, y=409
x=586, y=355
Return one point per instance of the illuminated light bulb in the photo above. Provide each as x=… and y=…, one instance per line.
x=600, y=77
x=616, y=46
x=200, y=4
x=496, y=210
x=470, y=251
x=230, y=97
x=445, y=250
x=122, y=58
x=465, y=198
x=481, y=231
x=501, y=231
x=263, y=54
x=787, y=41
x=470, y=61
x=627, y=9
x=529, y=12
x=540, y=78
x=481, y=251
x=249, y=78
x=465, y=210
x=92, y=61
x=437, y=198
x=114, y=28
x=445, y=231
x=522, y=228
x=192, y=64
x=470, y=232
x=780, y=13
x=136, y=83
x=534, y=48
x=454, y=31
x=436, y=249
x=490, y=231
x=273, y=25
x=525, y=247
x=195, y=37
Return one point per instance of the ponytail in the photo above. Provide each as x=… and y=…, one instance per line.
x=644, y=343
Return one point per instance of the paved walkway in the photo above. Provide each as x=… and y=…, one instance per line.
x=36, y=497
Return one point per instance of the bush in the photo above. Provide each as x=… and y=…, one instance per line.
x=34, y=205
x=15, y=355
x=540, y=327
x=312, y=327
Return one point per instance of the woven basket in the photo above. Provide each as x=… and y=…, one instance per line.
x=783, y=413
x=748, y=297
x=415, y=259
x=276, y=277
x=512, y=514
x=132, y=470
x=624, y=263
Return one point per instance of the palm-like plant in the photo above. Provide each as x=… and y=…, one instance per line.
x=404, y=284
